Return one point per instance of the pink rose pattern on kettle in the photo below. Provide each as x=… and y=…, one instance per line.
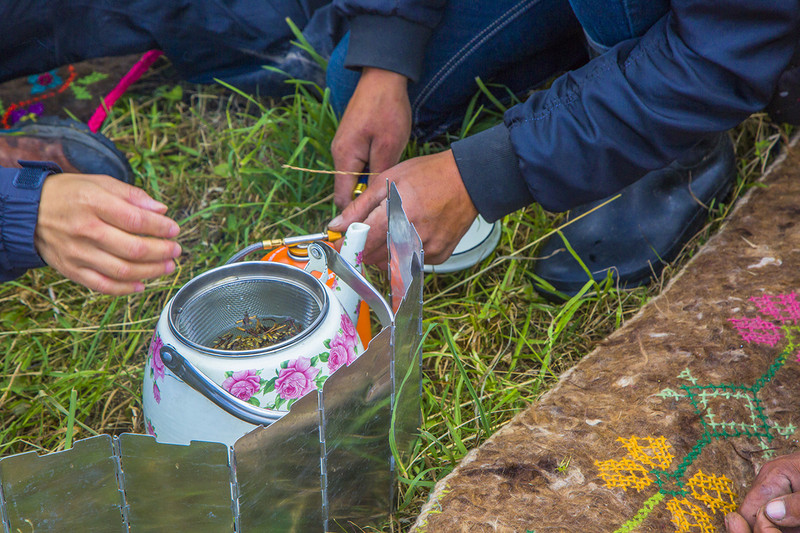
x=243, y=384
x=338, y=356
x=156, y=364
x=343, y=345
x=157, y=371
x=297, y=379
x=348, y=329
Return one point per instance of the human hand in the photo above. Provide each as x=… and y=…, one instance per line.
x=773, y=503
x=104, y=234
x=434, y=198
x=373, y=131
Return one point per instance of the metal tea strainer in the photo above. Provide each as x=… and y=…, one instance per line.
x=211, y=304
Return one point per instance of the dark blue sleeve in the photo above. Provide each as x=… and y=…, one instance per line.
x=702, y=69
x=20, y=192
x=390, y=34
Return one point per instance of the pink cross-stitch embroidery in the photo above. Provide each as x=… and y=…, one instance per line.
x=757, y=330
x=783, y=307
x=791, y=306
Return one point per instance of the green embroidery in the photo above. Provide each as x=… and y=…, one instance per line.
x=92, y=78
x=669, y=393
x=709, y=401
x=79, y=87
x=641, y=514
x=80, y=92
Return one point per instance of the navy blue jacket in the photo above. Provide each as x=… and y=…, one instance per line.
x=20, y=192
x=701, y=69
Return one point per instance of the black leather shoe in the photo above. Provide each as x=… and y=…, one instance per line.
x=68, y=143
x=637, y=234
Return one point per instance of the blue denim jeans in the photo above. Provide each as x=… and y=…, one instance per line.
x=516, y=43
x=608, y=22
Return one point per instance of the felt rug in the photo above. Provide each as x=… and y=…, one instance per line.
x=70, y=91
x=664, y=425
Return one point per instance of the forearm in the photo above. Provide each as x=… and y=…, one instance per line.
x=638, y=107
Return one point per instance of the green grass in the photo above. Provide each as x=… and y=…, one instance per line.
x=74, y=359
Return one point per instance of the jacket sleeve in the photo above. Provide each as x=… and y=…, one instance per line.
x=20, y=192
x=390, y=34
x=701, y=69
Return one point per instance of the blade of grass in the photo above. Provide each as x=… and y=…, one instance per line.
x=73, y=402
x=467, y=382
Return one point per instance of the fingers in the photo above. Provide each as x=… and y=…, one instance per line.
x=108, y=274
x=134, y=195
x=139, y=198
x=100, y=283
x=764, y=520
x=344, y=184
x=775, y=479
x=103, y=233
x=343, y=190
x=136, y=248
x=359, y=209
x=134, y=237
x=83, y=262
x=771, y=505
x=136, y=220
x=374, y=129
x=764, y=525
x=369, y=208
x=735, y=523
x=783, y=512
x=791, y=505
x=375, y=252
x=124, y=257
x=350, y=154
x=119, y=269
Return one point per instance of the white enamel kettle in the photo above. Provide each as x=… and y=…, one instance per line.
x=196, y=389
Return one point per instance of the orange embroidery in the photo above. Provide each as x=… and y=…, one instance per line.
x=26, y=103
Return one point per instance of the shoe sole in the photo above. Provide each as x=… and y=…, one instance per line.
x=59, y=128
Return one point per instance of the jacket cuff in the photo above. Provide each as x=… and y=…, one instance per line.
x=490, y=171
x=20, y=193
x=390, y=43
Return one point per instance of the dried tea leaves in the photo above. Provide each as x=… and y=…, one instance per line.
x=255, y=333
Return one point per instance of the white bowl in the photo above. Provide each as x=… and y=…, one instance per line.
x=479, y=241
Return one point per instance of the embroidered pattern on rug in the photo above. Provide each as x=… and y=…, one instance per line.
x=41, y=91
x=724, y=410
x=71, y=91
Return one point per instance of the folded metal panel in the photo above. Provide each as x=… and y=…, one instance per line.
x=406, y=276
x=278, y=473
x=408, y=375
x=357, y=416
x=176, y=488
x=73, y=490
